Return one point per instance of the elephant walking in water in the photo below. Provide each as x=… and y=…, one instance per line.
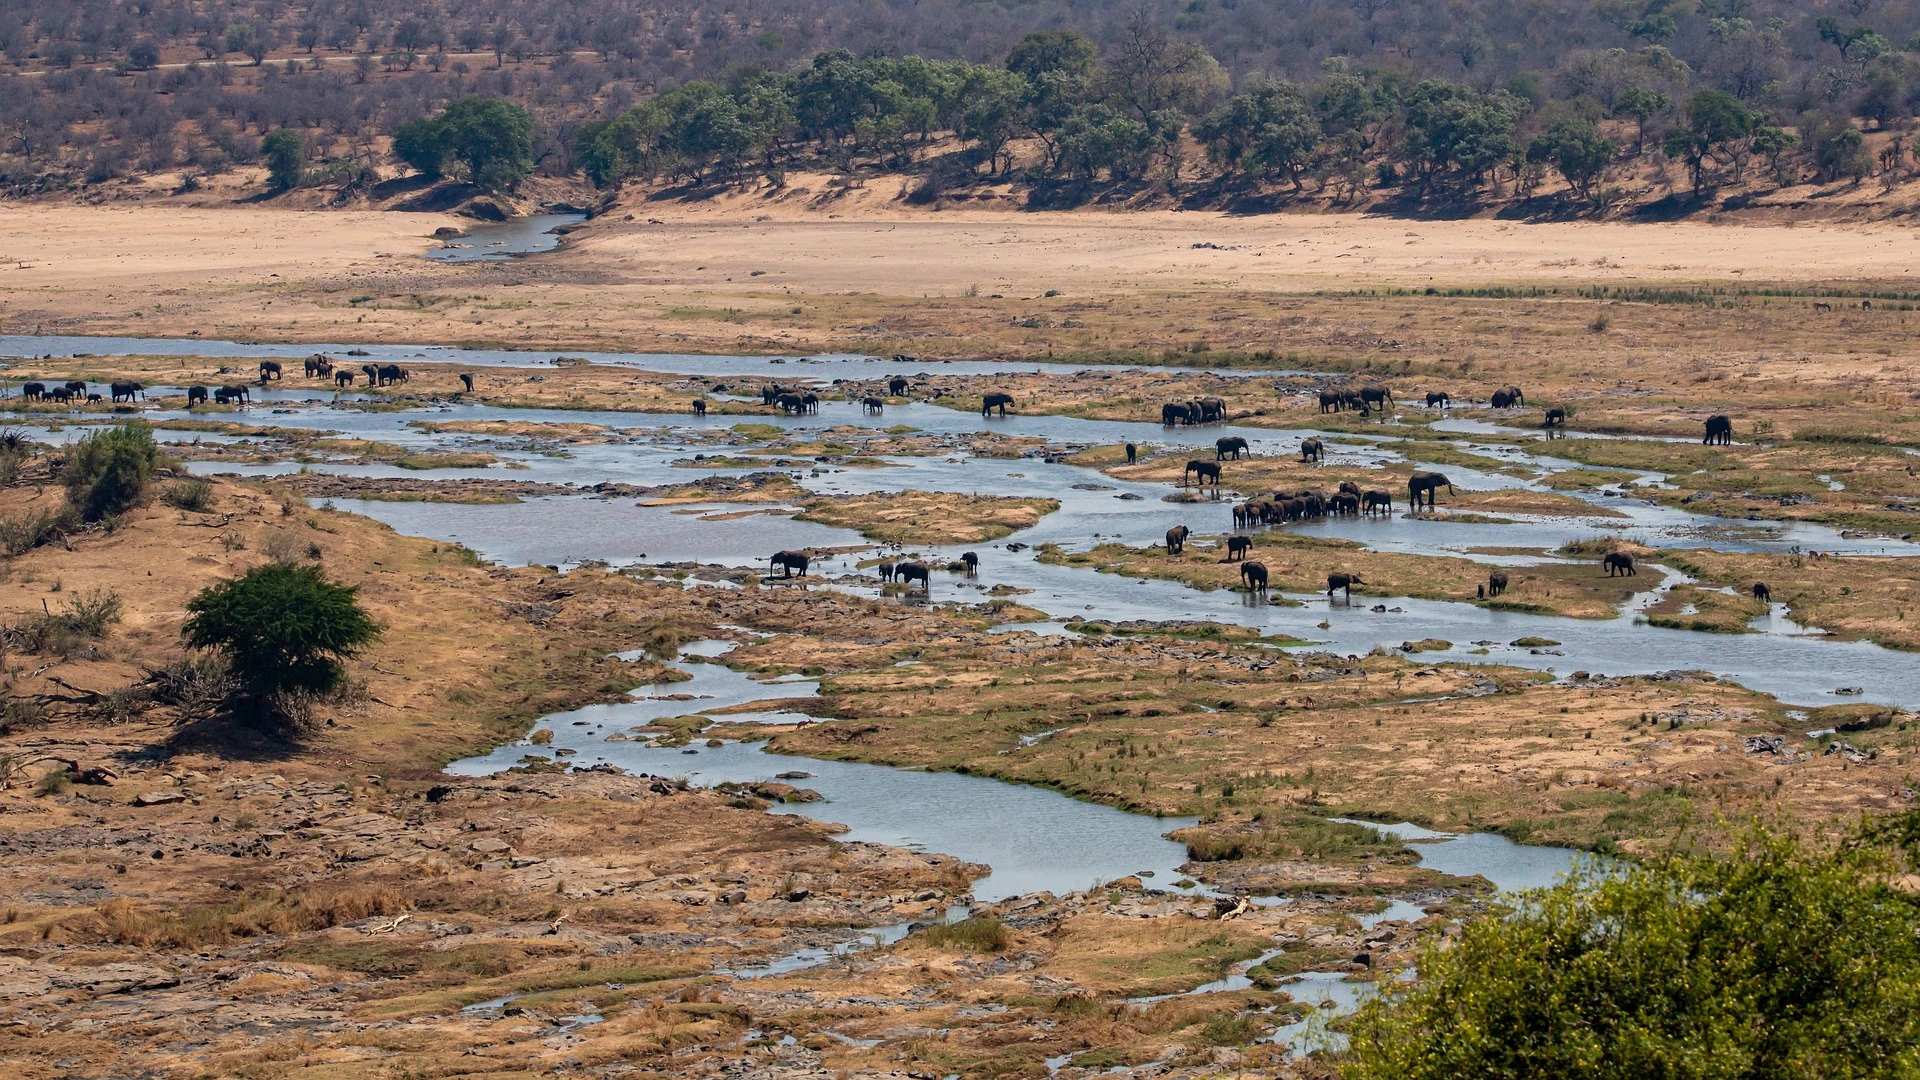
x=972, y=563
x=1376, y=499
x=1427, y=484
x=1253, y=575
x=910, y=572
x=1719, y=431
x=991, y=402
x=789, y=561
x=1311, y=450
x=1343, y=583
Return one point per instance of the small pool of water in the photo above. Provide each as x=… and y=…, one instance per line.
x=522, y=236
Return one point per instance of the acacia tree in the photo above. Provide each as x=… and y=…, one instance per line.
x=283, y=629
x=492, y=138
x=1717, y=127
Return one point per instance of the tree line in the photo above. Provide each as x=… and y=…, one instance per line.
x=1347, y=97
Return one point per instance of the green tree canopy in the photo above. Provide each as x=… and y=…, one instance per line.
x=489, y=139
x=1772, y=961
x=286, y=155
x=282, y=629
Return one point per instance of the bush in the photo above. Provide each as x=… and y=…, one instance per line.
x=283, y=629
x=194, y=495
x=286, y=154
x=107, y=472
x=22, y=534
x=983, y=933
x=86, y=617
x=1771, y=960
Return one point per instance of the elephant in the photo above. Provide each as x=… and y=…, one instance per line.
x=1502, y=399
x=1133, y=453
x=127, y=391
x=1518, y=397
x=1205, y=472
x=995, y=401
x=61, y=394
x=910, y=572
x=810, y=403
x=1212, y=409
x=1344, y=503
x=1762, y=593
x=34, y=391
x=373, y=374
x=466, y=383
x=789, y=561
x=1555, y=417
x=1376, y=499
x=231, y=395
x=1719, y=430
x=885, y=570
x=1427, y=484
x=699, y=406
x=1331, y=401
x=1177, y=539
x=343, y=377
x=77, y=388
x=1311, y=450
x=196, y=395
x=1238, y=546
x=1343, y=583
x=1232, y=444
x=973, y=563
x=269, y=369
x=1619, y=562
x=897, y=386
x=873, y=406
x=1496, y=583
x=1243, y=515
x=791, y=404
x=1175, y=413
x=392, y=373
x=1376, y=397
x=94, y=399
x=318, y=366
x=1253, y=575
x=1348, y=487
x=1438, y=397
x=770, y=393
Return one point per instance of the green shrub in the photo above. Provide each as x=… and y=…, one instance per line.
x=22, y=534
x=1772, y=960
x=84, y=618
x=194, y=495
x=283, y=629
x=107, y=472
x=983, y=933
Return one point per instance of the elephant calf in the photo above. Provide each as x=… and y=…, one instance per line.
x=1177, y=539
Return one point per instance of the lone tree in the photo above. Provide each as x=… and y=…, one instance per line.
x=283, y=630
x=107, y=472
x=285, y=152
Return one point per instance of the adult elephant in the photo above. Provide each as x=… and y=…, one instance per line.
x=1238, y=547
x=1177, y=539
x=126, y=391
x=789, y=561
x=1427, y=485
x=791, y=404
x=196, y=395
x=1556, y=417
x=269, y=369
x=1376, y=397
x=1719, y=431
x=1344, y=503
x=1619, y=563
x=1243, y=515
x=34, y=391
x=972, y=563
x=1502, y=399
x=1375, y=499
x=770, y=393
x=372, y=373
x=699, y=406
x=318, y=366
x=1205, y=472
x=1133, y=453
x=1331, y=401
x=1253, y=575
x=1343, y=583
x=1496, y=583
x=466, y=384
x=1212, y=409
x=1519, y=396
x=995, y=401
x=1762, y=593
x=1438, y=397
x=897, y=386
x=392, y=373
x=1312, y=450
x=910, y=572
x=1175, y=413
x=77, y=389
x=1231, y=445
x=342, y=378
x=810, y=402
x=61, y=394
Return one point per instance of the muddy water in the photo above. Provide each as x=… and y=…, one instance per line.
x=522, y=236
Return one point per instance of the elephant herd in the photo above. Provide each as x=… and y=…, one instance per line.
x=1206, y=410
x=908, y=572
x=80, y=392
x=1363, y=400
